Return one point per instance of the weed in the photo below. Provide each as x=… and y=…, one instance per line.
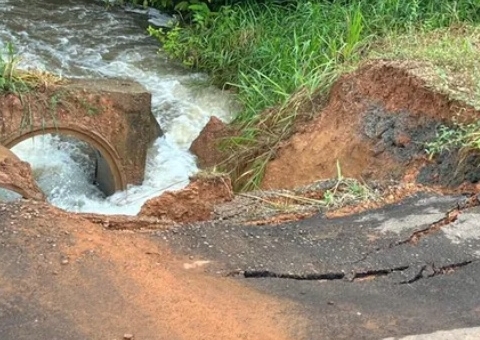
x=92, y=110
x=461, y=138
x=210, y=174
x=55, y=99
x=9, y=78
x=465, y=137
x=347, y=190
x=14, y=80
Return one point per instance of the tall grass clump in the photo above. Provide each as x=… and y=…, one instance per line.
x=15, y=80
x=9, y=80
x=276, y=56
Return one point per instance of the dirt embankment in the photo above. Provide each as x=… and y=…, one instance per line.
x=373, y=128
x=16, y=176
x=376, y=124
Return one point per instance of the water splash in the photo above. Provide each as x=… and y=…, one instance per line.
x=82, y=39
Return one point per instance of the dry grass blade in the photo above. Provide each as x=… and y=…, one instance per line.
x=306, y=200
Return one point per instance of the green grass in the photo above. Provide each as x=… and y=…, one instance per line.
x=450, y=59
x=281, y=59
x=459, y=136
x=9, y=79
x=14, y=80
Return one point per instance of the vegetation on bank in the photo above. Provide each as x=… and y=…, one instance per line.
x=279, y=56
x=9, y=80
x=24, y=84
x=14, y=80
x=465, y=137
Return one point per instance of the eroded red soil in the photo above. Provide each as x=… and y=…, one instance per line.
x=109, y=283
x=192, y=204
x=375, y=125
x=16, y=176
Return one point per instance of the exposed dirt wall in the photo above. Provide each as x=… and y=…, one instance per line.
x=375, y=125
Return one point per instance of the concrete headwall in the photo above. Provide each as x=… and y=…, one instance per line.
x=112, y=115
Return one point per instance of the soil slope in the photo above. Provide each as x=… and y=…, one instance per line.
x=375, y=125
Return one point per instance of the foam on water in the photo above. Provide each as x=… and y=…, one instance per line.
x=82, y=39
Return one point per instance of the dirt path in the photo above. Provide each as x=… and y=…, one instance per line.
x=62, y=277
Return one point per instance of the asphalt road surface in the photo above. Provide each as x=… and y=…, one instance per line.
x=405, y=269
x=408, y=268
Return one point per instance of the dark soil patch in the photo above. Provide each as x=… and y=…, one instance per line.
x=451, y=169
x=399, y=134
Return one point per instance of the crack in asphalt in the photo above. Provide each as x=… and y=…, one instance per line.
x=450, y=217
x=307, y=276
x=428, y=271
x=329, y=276
x=365, y=275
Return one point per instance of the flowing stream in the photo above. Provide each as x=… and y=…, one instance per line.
x=80, y=38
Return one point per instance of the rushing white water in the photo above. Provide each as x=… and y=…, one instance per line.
x=83, y=39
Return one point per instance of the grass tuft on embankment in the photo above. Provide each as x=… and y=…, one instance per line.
x=281, y=58
x=14, y=80
x=451, y=59
x=9, y=81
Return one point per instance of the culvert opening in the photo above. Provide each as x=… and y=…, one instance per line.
x=69, y=170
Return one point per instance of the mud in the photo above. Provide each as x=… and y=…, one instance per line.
x=79, y=281
x=195, y=203
x=207, y=146
x=17, y=176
